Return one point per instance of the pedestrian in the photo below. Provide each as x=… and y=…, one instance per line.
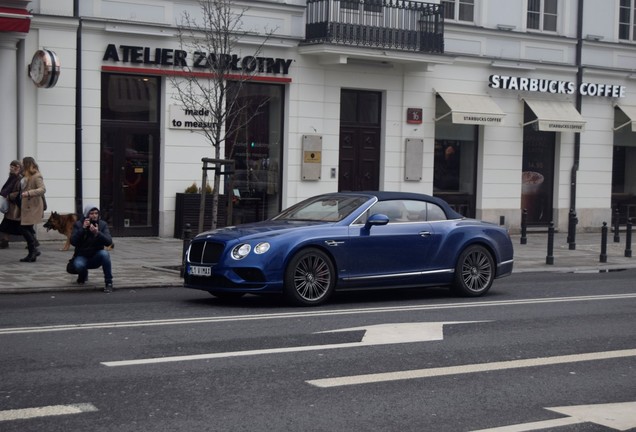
x=90, y=235
x=11, y=223
x=32, y=205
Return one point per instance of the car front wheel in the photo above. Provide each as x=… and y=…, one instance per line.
x=474, y=273
x=310, y=278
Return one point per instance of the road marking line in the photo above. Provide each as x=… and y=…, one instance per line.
x=306, y=314
x=53, y=410
x=538, y=425
x=615, y=416
x=228, y=354
x=379, y=334
x=466, y=369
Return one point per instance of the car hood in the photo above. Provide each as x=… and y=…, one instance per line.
x=257, y=230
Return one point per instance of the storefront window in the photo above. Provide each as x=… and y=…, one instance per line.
x=256, y=148
x=624, y=178
x=129, y=160
x=537, y=177
x=455, y=162
x=130, y=98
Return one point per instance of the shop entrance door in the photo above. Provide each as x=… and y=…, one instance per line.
x=129, y=179
x=360, y=131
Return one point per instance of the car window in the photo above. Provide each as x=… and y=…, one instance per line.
x=324, y=208
x=405, y=211
x=395, y=210
x=434, y=212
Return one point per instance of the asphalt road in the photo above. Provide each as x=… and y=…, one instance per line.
x=533, y=350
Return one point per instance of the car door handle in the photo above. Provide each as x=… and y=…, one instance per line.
x=425, y=233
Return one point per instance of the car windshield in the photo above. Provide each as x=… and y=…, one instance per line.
x=325, y=208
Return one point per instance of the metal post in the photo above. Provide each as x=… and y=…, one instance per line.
x=617, y=237
x=524, y=226
x=572, y=222
x=603, y=256
x=204, y=183
x=187, y=233
x=549, y=259
x=628, y=239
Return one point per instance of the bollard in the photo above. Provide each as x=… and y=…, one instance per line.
x=617, y=238
x=603, y=256
x=524, y=223
x=572, y=222
x=187, y=233
x=549, y=259
x=628, y=239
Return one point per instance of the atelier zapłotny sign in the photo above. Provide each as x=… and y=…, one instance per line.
x=196, y=60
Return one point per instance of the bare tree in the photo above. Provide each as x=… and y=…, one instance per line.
x=211, y=84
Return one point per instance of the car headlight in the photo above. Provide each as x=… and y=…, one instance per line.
x=261, y=248
x=241, y=251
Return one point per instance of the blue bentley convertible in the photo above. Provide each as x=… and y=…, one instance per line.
x=351, y=240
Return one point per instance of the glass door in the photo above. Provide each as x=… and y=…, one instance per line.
x=129, y=178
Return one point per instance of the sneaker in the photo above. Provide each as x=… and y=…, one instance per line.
x=108, y=288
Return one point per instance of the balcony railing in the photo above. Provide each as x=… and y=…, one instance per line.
x=390, y=24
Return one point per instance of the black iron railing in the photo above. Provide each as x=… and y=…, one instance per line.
x=390, y=24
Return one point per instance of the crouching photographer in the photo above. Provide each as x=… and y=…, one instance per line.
x=90, y=236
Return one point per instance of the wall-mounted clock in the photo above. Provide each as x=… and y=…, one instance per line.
x=44, y=69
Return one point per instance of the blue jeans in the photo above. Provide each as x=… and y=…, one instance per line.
x=100, y=259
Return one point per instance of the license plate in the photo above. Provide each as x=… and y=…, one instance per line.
x=200, y=271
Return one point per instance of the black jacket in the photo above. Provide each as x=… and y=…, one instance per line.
x=86, y=243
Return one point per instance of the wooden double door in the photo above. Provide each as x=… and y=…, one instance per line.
x=360, y=140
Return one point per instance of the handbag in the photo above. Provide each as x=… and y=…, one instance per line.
x=44, y=202
x=4, y=204
x=70, y=266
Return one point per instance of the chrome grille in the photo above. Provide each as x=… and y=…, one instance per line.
x=204, y=252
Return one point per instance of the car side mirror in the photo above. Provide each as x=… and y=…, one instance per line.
x=377, y=219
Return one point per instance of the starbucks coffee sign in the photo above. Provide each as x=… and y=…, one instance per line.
x=542, y=85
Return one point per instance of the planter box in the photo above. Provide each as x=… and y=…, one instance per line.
x=187, y=211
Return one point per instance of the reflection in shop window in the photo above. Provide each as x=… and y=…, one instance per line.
x=256, y=148
x=129, y=97
x=455, y=161
x=623, y=175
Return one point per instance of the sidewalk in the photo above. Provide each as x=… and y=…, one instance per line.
x=137, y=262
x=153, y=262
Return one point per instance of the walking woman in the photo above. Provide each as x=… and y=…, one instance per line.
x=11, y=223
x=32, y=208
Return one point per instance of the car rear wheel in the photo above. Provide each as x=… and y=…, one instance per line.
x=474, y=273
x=310, y=278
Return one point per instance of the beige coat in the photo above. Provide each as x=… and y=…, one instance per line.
x=32, y=210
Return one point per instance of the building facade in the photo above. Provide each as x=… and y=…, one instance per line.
x=494, y=105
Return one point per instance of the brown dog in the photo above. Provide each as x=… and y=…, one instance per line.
x=62, y=223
